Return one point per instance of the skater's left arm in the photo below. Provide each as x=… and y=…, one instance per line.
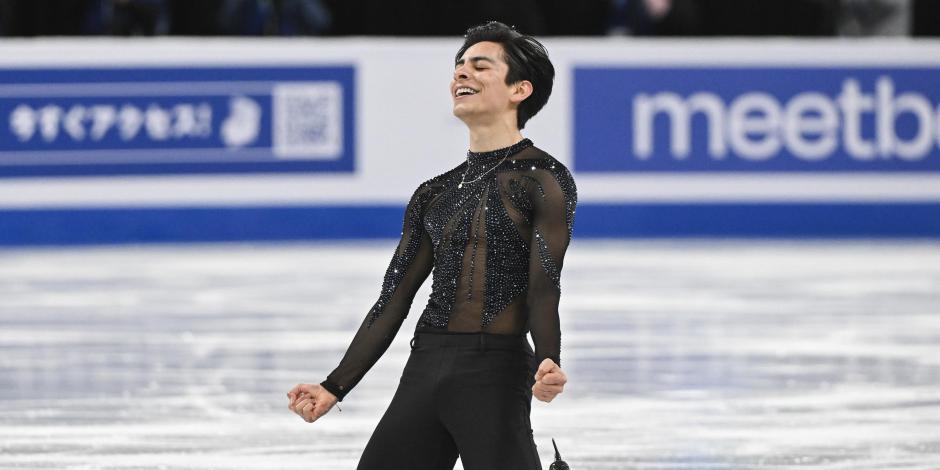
x=553, y=198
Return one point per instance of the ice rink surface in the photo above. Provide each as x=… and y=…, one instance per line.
x=679, y=354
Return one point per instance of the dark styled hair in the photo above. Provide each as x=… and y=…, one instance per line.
x=527, y=60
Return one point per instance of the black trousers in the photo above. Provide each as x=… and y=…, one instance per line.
x=466, y=394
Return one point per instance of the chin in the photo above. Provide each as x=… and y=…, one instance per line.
x=461, y=111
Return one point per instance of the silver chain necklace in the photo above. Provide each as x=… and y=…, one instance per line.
x=464, y=176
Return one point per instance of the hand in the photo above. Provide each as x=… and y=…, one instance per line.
x=310, y=401
x=549, y=381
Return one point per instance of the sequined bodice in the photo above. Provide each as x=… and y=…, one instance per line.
x=494, y=231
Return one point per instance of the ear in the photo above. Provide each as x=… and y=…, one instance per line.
x=520, y=91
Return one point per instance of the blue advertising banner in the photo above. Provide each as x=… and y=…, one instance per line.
x=753, y=119
x=106, y=121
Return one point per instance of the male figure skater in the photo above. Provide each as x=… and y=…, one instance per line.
x=494, y=230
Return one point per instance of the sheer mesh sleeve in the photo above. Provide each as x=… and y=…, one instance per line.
x=553, y=198
x=410, y=266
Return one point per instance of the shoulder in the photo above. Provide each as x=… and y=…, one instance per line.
x=433, y=186
x=438, y=182
x=550, y=185
x=538, y=166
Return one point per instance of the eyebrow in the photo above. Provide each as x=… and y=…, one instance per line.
x=476, y=59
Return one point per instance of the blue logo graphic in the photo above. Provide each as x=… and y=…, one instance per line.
x=756, y=119
x=176, y=120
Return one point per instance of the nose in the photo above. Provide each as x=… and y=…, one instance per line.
x=460, y=73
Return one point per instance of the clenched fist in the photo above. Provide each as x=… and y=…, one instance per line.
x=310, y=401
x=549, y=381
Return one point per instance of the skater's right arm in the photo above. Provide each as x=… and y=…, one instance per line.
x=409, y=267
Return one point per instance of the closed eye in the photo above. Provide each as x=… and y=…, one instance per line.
x=476, y=61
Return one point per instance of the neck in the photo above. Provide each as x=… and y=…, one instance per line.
x=496, y=135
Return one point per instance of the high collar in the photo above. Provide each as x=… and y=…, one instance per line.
x=498, y=153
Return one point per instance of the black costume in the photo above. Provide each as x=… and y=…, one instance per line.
x=494, y=228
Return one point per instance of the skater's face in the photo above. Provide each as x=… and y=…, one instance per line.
x=479, y=90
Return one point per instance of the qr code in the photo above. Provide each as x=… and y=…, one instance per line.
x=308, y=120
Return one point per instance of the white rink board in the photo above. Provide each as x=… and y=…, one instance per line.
x=405, y=132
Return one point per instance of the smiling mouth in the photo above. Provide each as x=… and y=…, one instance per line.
x=464, y=91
